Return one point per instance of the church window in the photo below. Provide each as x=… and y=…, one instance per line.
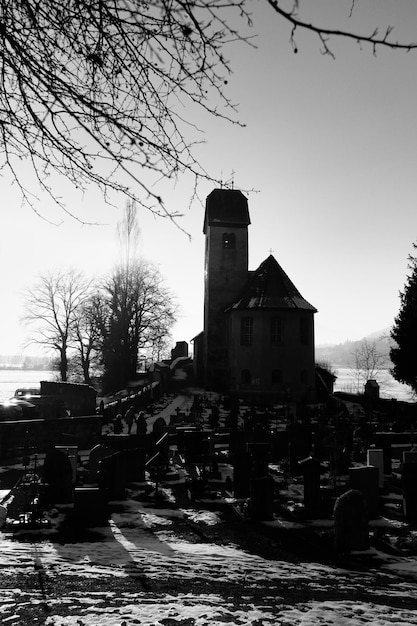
x=229, y=240
x=246, y=331
x=245, y=377
x=304, y=331
x=277, y=331
x=276, y=377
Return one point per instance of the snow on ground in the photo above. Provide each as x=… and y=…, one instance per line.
x=145, y=569
x=235, y=586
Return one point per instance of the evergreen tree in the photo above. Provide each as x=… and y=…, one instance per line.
x=404, y=331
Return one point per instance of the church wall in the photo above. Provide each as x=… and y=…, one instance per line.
x=284, y=367
x=228, y=274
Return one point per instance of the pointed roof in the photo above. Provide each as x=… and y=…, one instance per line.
x=270, y=288
x=226, y=207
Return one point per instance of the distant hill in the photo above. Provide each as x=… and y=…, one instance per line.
x=341, y=355
x=27, y=362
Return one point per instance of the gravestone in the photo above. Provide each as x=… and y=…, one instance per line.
x=311, y=470
x=351, y=527
x=58, y=474
x=141, y=424
x=409, y=488
x=387, y=454
x=259, y=457
x=90, y=507
x=279, y=445
x=118, y=442
x=72, y=454
x=299, y=447
x=371, y=389
x=97, y=454
x=366, y=480
x=241, y=474
x=3, y=515
x=410, y=456
x=159, y=425
x=261, y=506
x=238, y=442
x=136, y=460
x=112, y=476
x=249, y=463
x=197, y=447
x=375, y=457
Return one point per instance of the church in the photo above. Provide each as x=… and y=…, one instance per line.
x=258, y=336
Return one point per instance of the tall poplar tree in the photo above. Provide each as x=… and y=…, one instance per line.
x=404, y=331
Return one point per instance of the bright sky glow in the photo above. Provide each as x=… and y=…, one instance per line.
x=329, y=148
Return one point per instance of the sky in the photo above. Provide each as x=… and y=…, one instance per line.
x=327, y=159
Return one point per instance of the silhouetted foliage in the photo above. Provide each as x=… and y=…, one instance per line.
x=137, y=313
x=404, y=331
x=86, y=337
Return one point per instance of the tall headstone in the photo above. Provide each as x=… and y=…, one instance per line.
x=387, y=450
x=409, y=487
x=366, y=480
x=351, y=527
x=241, y=474
x=375, y=457
x=311, y=468
x=97, y=454
x=112, y=476
x=58, y=476
x=72, y=454
x=261, y=505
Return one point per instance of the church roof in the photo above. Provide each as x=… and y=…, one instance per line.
x=270, y=288
x=226, y=207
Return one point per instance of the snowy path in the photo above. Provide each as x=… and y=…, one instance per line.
x=148, y=567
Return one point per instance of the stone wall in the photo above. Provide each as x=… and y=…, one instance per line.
x=37, y=435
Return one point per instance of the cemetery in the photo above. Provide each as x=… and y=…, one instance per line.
x=333, y=477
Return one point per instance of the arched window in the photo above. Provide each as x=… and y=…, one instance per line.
x=229, y=240
x=245, y=377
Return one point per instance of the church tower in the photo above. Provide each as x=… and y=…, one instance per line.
x=226, y=224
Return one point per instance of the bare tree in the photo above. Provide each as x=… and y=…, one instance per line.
x=52, y=306
x=102, y=91
x=128, y=233
x=86, y=336
x=137, y=314
x=367, y=363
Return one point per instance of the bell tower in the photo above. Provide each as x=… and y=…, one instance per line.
x=226, y=224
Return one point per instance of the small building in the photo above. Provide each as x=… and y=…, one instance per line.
x=258, y=335
x=180, y=350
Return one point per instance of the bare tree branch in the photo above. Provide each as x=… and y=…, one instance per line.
x=373, y=39
x=93, y=90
